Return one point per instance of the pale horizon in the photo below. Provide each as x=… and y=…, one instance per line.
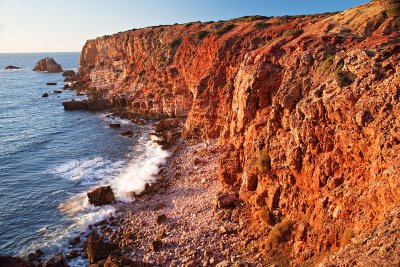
x=48, y=26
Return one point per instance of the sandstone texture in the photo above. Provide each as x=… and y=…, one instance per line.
x=48, y=65
x=305, y=110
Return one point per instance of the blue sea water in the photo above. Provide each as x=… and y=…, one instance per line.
x=50, y=159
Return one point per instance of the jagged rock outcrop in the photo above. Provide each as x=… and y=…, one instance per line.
x=48, y=65
x=101, y=196
x=306, y=107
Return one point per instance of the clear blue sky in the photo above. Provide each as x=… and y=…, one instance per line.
x=65, y=25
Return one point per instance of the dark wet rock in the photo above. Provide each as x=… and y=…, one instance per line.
x=114, y=125
x=7, y=261
x=90, y=104
x=45, y=95
x=11, y=67
x=48, y=64
x=103, y=222
x=72, y=254
x=101, y=196
x=39, y=253
x=75, y=241
x=155, y=245
x=51, y=83
x=128, y=133
x=69, y=73
x=80, y=94
x=55, y=261
x=57, y=91
x=69, y=79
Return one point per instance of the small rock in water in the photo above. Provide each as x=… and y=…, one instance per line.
x=57, y=91
x=114, y=125
x=11, y=68
x=127, y=133
x=45, y=95
x=75, y=241
x=51, y=83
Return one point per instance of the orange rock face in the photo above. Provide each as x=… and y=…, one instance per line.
x=307, y=108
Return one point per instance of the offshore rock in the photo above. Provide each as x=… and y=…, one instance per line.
x=12, y=68
x=48, y=65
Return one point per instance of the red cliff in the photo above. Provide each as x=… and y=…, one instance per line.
x=306, y=107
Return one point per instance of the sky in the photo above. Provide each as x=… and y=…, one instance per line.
x=65, y=25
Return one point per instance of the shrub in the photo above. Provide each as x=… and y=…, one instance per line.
x=341, y=76
x=327, y=64
x=261, y=25
x=291, y=32
x=280, y=233
x=263, y=161
x=226, y=28
x=251, y=18
x=175, y=43
x=201, y=34
x=189, y=24
x=348, y=234
x=142, y=73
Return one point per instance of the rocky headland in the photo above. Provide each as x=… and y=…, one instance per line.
x=288, y=152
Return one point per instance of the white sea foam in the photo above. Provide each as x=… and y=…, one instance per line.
x=89, y=171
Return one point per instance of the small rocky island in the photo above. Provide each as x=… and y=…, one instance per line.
x=11, y=67
x=48, y=65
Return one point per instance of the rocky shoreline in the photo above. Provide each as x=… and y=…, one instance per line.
x=186, y=218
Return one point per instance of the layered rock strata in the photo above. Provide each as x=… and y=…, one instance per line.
x=306, y=109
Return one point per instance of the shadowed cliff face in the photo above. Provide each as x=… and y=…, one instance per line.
x=306, y=107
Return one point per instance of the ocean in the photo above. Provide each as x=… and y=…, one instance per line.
x=50, y=159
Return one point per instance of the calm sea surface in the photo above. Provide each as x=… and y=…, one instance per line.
x=50, y=158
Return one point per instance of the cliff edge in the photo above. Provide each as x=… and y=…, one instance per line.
x=306, y=109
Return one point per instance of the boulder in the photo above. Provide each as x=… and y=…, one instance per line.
x=58, y=260
x=161, y=218
x=128, y=133
x=45, y=95
x=57, y=91
x=12, y=68
x=225, y=200
x=90, y=104
x=8, y=261
x=69, y=73
x=101, y=196
x=48, y=65
x=97, y=249
x=51, y=83
x=114, y=125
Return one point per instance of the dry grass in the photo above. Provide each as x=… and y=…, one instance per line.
x=348, y=234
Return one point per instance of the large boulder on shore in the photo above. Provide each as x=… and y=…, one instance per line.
x=48, y=64
x=101, y=196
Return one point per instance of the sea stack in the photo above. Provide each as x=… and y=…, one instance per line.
x=48, y=65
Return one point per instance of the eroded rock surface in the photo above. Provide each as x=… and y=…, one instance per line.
x=306, y=110
x=48, y=65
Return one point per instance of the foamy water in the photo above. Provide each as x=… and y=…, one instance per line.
x=51, y=158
